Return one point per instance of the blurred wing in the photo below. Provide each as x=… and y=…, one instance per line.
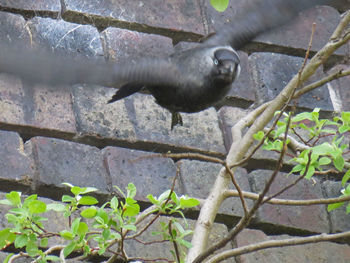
x=257, y=16
x=45, y=67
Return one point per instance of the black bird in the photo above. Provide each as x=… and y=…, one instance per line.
x=187, y=81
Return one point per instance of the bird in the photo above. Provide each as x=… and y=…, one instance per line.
x=188, y=81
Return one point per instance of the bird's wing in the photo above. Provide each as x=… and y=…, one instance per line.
x=46, y=67
x=257, y=16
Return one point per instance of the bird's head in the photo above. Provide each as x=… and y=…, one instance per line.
x=225, y=65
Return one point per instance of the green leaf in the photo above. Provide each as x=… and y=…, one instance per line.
x=89, y=212
x=219, y=5
x=76, y=190
x=131, y=208
x=322, y=149
x=344, y=128
x=103, y=215
x=186, y=202
x=185, y=243
x=130, y=227
x=152, y=199
x=82, y=229
x=87, y=200
x=259, y=135
x=120, y=191
x=67, y=235
x=348, y=209
x=21, y=241
x=106, y=233
x=346, y=177
x=52, y=258
x=324, y=161
x=56, y=207
x=86, y=190
x=69, y=248
x=131, y=190
x=32, y=249
x=14, y=197
x=67, y=198
x=339, y=162
x=36, y=207
x=44, y=242
x=114, y=203
x=6, y=237
x=302, y=116
x=331, y=207
x=75, y=225
x=310, y=172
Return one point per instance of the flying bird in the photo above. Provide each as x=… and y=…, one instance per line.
x=187, y=81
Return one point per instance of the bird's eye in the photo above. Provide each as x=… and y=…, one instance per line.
x=216, y=62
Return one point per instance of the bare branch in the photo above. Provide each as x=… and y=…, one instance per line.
x=276, y=243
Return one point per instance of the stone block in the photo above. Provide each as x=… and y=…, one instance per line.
x=309, y=218
x=128, y=46
x=59, y=161
x=16, y=167
x=150, y=174
x=174, y=16
x=313, y=253
x=271, y=73
x=33, y=5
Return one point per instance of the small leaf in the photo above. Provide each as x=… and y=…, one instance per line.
x=130, y=227
x=14, y=197
x=331, y=207
x=346, y=177
x=131, y=208
x=219, y=5
x=259, y=135
x=324, y=161
x=86, y=190
x=76, y=190
x=52, y=258
x=67, y=198
x=114, y=203
x=44, y=242
x=75, y=225
x=6, y=260
x=89, y=212
x=152, y=199
x=21, y=241
x=69, y=248
x=82, y=229
x=5, y=202
x=87, y=200
x=36, y=207
x=131, y=190
x=310, y=172
x=339, y=162
x=188, y=202
x=68, y=184
x=66, y=235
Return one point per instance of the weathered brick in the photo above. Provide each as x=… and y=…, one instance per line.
x=59, y=161
x=175, y=16
x=68, y=39
x=271, y=72
x=340, y=221
x=197, y=178
x=313, y=253
x=311, y=218
x=33, y=5
x=30, y=109
x=13, y=28
x=150, y=174
x=126, y=45
x=137, y=119
x=296, y=34
x=15, y=165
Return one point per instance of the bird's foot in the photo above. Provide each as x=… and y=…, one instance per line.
x=176, y=119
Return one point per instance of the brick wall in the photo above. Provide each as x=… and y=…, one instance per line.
x=69, y=134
